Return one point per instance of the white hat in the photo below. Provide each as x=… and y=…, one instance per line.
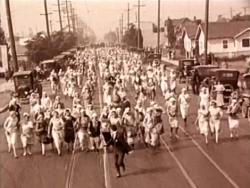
x=172, y=99
x=94, y=115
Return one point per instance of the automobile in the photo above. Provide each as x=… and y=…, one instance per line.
x=47, y=66
x=154, y=59
x=185, y=67
x=204, y=71
x=245, y=96
x=61, y=61
x=25, y=82
x=229, y=78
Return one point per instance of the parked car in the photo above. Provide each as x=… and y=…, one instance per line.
x=47, y=66
x=245, y=95
x=25, y=82
x=205, y=71
x=229, y=78
x=185, y=68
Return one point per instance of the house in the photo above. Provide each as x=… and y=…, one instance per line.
x=225, y=39
x=188, y=38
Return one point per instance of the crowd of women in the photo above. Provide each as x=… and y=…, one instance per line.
x=123, y=120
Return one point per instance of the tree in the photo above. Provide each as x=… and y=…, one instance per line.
x=170, y=33
x=110, y=37
x=131, y=37
x=238, y=17
x=40, y=48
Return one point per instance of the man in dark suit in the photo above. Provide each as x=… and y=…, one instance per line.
x=120, y=147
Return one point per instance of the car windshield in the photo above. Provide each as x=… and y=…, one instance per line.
x=187, y=63
x=22, y=80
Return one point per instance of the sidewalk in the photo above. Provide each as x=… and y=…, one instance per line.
x=173, y=62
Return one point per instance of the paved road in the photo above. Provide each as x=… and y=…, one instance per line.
x=187, y=163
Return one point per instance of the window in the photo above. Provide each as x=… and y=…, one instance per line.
x=245, y=42
x=225, y=44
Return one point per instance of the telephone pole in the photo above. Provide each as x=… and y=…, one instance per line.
x=159, y=26
x=72, y=12
x=128, y=10
x=11, y=35
x=206, y=30
x=122, y=26
x=139, y=22
x=67, y=12
x=59, y=13
x=46, y=14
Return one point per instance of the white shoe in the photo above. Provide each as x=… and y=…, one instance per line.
x=24, y=154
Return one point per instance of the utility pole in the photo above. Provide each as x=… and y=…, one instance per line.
x=73, y=17
x=122, y=26
x=59, y=13
x=51, y=28
x=231, y=12
x=46, y=14
x=139, y=22
x=206, y=29
x=159, y=26
x=11, y=35
x=128, y=10
x=67, y=12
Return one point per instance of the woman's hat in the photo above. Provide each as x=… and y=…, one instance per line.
x=25, y=114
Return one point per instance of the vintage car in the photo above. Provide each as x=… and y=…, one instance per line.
x=47, y=66
x=25, y=82
x=204, y=71
x=154, y=59
x=185, y=67
x=229, y=78
x=61, y=61
x=245, y=95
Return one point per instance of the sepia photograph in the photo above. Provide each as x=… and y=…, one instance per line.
x=124, y=93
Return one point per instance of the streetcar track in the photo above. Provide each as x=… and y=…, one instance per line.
x=107, y=180
x=181, y=167
x=207, y=156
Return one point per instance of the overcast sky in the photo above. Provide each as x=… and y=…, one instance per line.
x=103, y=15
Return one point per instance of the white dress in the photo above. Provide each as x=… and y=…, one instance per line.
x=219, y=95
x=203, y=121
x=204, y=99
x=184, y=104
x=214, y=120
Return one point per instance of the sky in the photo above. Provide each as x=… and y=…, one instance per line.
x=103, y=15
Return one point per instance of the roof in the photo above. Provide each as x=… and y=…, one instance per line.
x=191, y=29
x=48, y=61
x=180, y=21
x=22, y=73
x=218, y=30
x=59, y=56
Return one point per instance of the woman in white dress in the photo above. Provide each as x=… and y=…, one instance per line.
x=204, y=97
x=202, y=120
x=148, y=124
x=214, y=119
x=172, y=117
x=219, y=89
x=56, y=126
x=172, y=80
x=233, y=119
x=27, y=134
x=184, y=101
x=11, y=128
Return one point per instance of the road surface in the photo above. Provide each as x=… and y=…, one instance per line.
x=187, y=163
